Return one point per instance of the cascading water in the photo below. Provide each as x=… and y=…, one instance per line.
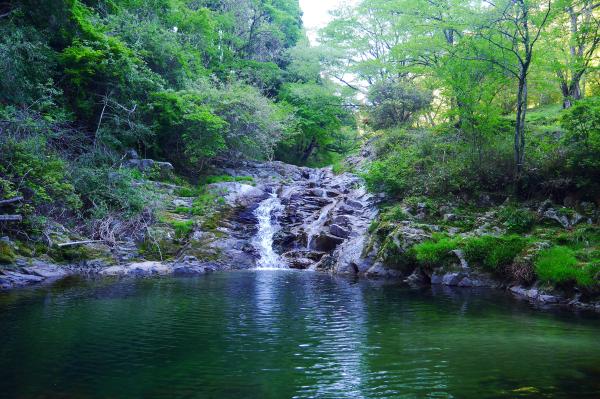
x=263, y=241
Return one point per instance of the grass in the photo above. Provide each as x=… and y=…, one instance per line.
x=492, y=252
x=7, y=255
x=183, y=228
x=436, y=252
x=559, y=265
x=227, y=178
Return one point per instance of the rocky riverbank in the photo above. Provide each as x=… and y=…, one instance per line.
x=326, y=222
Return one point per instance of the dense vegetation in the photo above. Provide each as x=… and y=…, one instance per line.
x=466, y=110
x=475, y=113
x=188, y=82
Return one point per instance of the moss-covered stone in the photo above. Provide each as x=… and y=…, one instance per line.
x=7, y=254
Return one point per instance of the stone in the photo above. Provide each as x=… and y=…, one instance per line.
x=354, y=204
x=339, y=231
x=325, y=242
x=449, y=217
x=378, y=270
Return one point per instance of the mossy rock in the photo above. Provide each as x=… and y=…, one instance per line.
x=7, y=254
x=74, y=253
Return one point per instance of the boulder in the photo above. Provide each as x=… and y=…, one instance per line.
x=339, y=231
x=325, y=242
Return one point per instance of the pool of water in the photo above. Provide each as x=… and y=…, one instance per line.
x=287, y=334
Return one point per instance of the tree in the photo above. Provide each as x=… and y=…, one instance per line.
x=394, y=103
x=578, y=48
x=511, y=29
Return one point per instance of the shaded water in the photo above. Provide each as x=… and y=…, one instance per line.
x=284, y=334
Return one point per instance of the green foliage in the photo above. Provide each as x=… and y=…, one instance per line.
x=227, y=178
x=582, y=141
x=183, y=228
x=493, y=253
x=558, y=265
x=7, y=254
x=105, y=190
x=28, y=168
x=437, y=251
x=517, y=220
x=318, y=113
x=394, y=103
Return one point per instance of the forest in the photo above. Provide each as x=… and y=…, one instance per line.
x=439, y=100
x=299, y=199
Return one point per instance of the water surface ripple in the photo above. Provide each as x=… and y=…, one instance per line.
x=288, y=334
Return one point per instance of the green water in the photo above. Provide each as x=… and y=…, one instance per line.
x=286, y=334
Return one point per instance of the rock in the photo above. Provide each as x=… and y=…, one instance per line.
x=551, y=214
x=449, y=217
x=339, y=231
x=354, y=204
x=326, y=263
x=342, y=220
x=325, y=242
x=191, y=266
x=417, y=278
x=238, y=194
x=461, y=257
x=378, y=270
x=179, y=202
x=452, y=278
x=47, y=271
x=138, y=269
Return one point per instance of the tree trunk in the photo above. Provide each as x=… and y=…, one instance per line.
x=308, y=152
x=571, y=92
x=519, y=144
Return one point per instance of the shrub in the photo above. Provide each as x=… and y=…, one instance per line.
x=182, y=228
x=436, y=252
x=582, y=141
x=559, y=265
x=517, y=220
x=492, y=252
x=7, y=255
x=227, y=178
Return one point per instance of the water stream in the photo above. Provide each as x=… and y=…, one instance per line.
x=267, y=227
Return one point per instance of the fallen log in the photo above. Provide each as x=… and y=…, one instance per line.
x=10, y=201
x=67, y=244
x=11, y=218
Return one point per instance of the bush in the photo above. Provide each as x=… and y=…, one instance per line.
x=7, y=254
x=436, y=252
x=517, y=220
x=582, y=141
x=182, y=228
x=227, y=178
x=394, y=103
x=559, y=265
x=492, y=252
x=105, y=190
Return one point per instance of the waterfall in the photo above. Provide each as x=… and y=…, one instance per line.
x=263, y=241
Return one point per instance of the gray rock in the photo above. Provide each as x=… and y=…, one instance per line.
x=339, y=231
x=325, y=242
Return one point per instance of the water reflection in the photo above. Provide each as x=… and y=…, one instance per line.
x=274, y=334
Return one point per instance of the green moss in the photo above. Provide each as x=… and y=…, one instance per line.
x=492, y=252
x=159, y=249
x=559, y=265
x=437, y=251
x=517, y=220
x=7, y=254
x=187, y=192
x=394, y=214
x=73, y=253
x=226, y=178
x=183, y=228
